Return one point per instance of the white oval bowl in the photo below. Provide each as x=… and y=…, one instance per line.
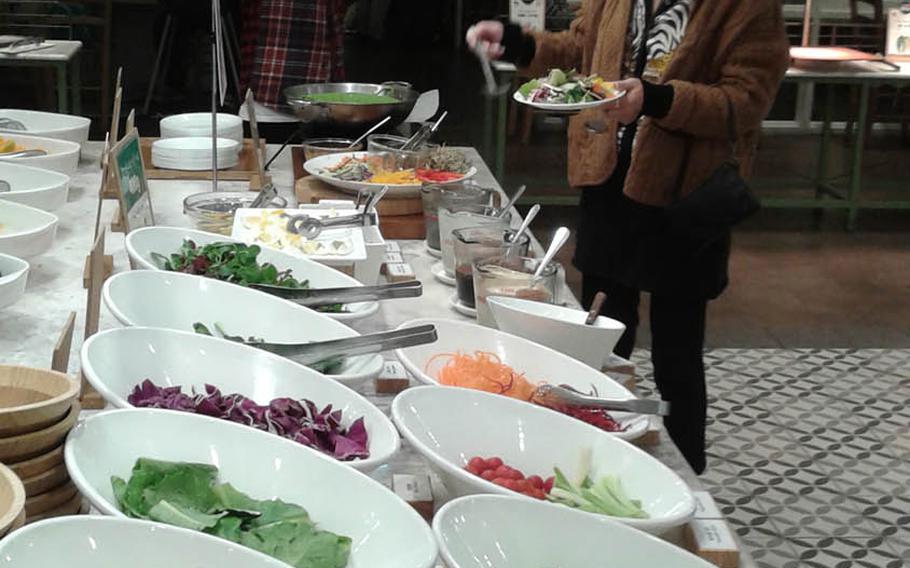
x=62, y=155
x=385, y=531
x=13, y=279
x=35, y=187
x=141, y=243
x=193, y=124
x=116, y=360
x=534, y=440
x=558, y=327
x=106, y=542
x=495, y=531
x=49, y=124
x=172, y=300
x=25, y=231
x=538, y=363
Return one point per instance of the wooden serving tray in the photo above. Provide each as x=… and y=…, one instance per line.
x=245, y=170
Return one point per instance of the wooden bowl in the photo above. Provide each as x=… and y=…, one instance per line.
x=39, y=464
x=33, y=399
x=26, y=446
x=46, y=480
x=74, y=506
x=54, y=499
x=12, y=499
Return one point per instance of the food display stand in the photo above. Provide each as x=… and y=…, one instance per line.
x=30, y=327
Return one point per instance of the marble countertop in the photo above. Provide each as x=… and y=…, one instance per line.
x=29, y=328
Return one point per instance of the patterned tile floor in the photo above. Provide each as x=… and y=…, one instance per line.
x=809, y=453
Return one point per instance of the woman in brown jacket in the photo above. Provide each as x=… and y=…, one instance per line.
x=684, y=64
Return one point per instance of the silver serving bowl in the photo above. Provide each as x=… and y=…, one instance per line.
x=345, y=116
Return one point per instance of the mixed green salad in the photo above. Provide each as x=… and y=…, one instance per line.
x=187, y=495
x=232, y=262
x=567, y=87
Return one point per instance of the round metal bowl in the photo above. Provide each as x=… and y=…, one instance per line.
x=351, y=115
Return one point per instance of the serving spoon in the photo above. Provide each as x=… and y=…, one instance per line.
x=526, y=223
x=11, y=124
x=25, y=153
x=322, y=351
x=314, y=297
x=508, y=206
x=559, y=239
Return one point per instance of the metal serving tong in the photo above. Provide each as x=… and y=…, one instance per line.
x=424, y=133
x=320, y=351
x=314, y=297
x=311, y=227
x=25, y=153
x=11, y=124
x=555, y=395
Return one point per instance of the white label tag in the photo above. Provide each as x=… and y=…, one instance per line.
x=712, y=534
x=412, y=488
x=392, y=258
x=392, y=246
x=393, y=370
x=399, y=270
x=705, y=507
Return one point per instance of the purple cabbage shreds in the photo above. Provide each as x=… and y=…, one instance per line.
x=298, y=420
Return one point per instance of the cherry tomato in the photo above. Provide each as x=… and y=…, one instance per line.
x=488, y=474
x=536, y=481
x=504, y=471
x=522, y=485
x=502, y=482
x=548, y=484
x=493, y=463
x=477, y=464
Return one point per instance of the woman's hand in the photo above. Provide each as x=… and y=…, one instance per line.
x=627, y=109
x=486, y=33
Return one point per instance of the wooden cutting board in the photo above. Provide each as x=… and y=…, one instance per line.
x=245, y=170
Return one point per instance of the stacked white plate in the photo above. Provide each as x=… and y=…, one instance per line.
x=193, y=153
x=49, y=124
x=193, y=124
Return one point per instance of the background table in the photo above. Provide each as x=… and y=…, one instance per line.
x=60, y=55
x=865, y=75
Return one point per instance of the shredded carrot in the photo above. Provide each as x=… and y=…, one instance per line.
x=481, y=371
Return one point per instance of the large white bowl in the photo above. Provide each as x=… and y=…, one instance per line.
x=25, y=231
x=106, y=542
x=538, y=363
x=558, y=327
x=173, y=300
x=116, y=360
x=35, y=187
x=62, y=155
x=193, y=153
x=49, y=124
x=13, y=277
x=200, y=124
x=450, y=426
x=385, y=531
x=494, y=531
x=141, y=243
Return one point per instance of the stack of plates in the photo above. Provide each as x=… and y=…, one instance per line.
x=200, y=124
x=193, y=153
x=38, y=408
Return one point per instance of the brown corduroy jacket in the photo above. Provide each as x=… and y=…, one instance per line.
x=732, y=48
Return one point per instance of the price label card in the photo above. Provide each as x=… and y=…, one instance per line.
x=528, y=13
x=897, y=43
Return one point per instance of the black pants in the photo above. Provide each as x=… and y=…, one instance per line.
x=677, y=342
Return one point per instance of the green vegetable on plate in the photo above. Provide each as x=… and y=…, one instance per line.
x=187, y=495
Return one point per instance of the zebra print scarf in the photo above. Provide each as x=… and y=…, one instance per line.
x=664, y=35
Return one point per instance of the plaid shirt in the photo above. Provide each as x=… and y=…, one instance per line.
x=290, y=42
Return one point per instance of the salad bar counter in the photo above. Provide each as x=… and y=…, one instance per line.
x=284, y=464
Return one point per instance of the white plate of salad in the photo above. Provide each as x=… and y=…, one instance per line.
x=567, y=91
x=365, y=171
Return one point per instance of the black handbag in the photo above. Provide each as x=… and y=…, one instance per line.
x=721, y=202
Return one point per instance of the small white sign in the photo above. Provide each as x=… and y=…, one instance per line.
x=705, y=507
x=528, y=13
x=710, y=535
x=897, y=43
